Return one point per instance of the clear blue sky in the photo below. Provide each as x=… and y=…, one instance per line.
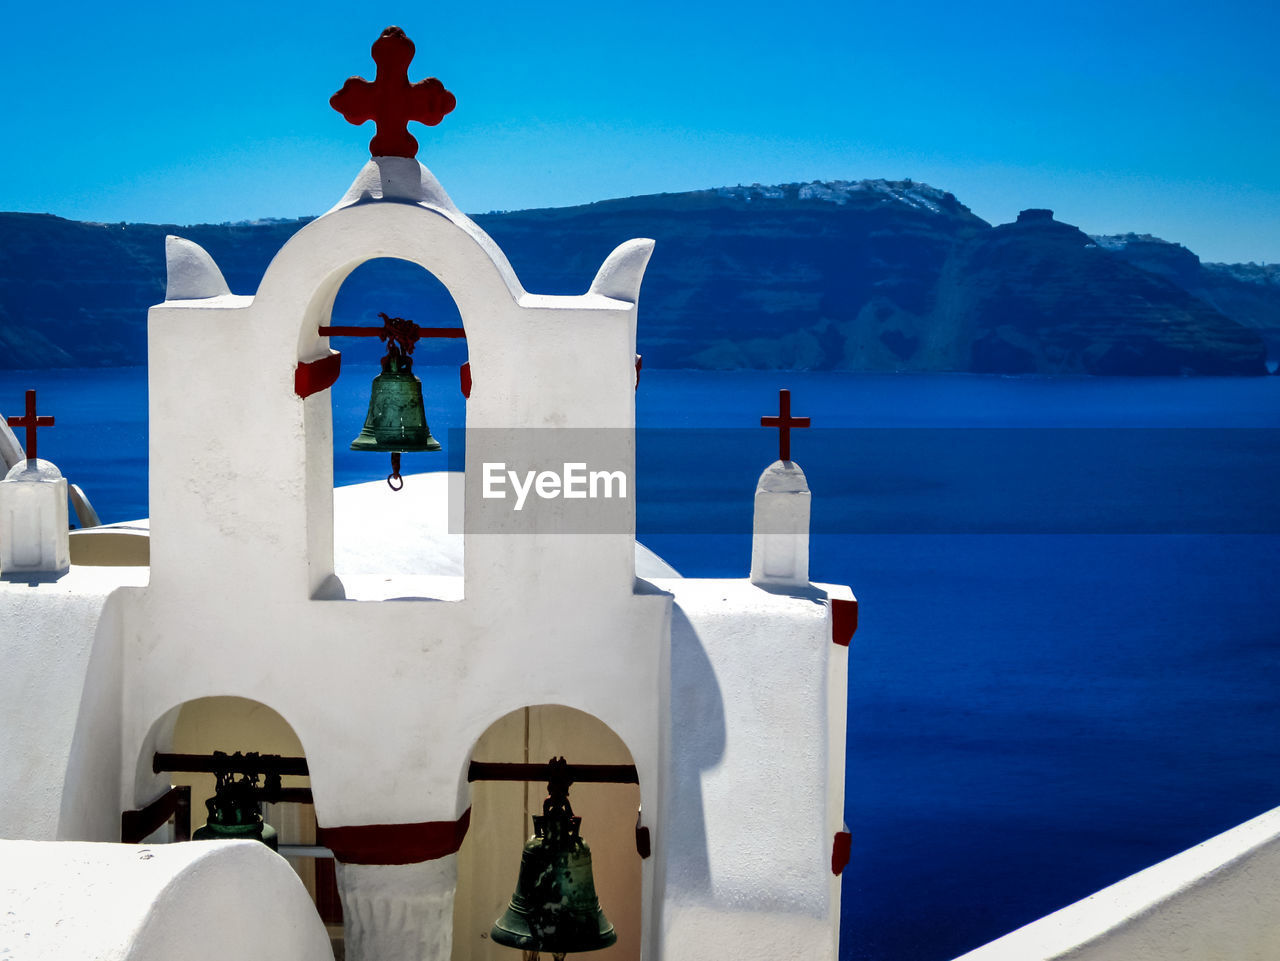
x=1160, y=117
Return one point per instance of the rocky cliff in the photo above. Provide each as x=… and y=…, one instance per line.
x=1040, y=295
x=1247, y=293
x=76, y=294
x=865, y=275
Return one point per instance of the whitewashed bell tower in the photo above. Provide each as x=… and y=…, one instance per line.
x=390, y=684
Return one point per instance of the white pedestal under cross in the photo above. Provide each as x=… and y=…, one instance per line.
x=33, y=508
x=780, y=528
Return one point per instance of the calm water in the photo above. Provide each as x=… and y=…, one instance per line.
x=1069, y=650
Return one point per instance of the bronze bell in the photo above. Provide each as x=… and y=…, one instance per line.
x=555, y=907
x=235, y=813
x=397, y=419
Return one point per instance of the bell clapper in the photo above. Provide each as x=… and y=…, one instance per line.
x=394, y=480
x=535, y=956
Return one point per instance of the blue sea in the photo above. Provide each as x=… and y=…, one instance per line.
x=1069, y=648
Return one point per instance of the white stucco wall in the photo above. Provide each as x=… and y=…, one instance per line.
x=114, y=902
x=60, y=706
x=1213, y=902
x=756, y=788
x=60, y=691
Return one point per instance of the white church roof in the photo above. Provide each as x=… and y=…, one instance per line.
x=380, y=531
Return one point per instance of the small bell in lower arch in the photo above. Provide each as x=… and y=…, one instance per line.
x=235, y=812
x=555, y=907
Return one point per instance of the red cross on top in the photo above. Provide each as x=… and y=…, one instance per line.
x=784, y=422
x=31, y=421
x=390, y=100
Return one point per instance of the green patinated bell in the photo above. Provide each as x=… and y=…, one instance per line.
x=555, y=907
x=397, y=420
x=235, y=814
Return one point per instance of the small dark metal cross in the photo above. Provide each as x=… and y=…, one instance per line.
x=390, y=100
x=784, y=422
x=31, y=421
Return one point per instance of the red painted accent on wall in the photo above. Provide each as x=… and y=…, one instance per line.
x=390, y=100
x=464, y=379
x=644, y=846
x=311, y=377
x=638, y=360
x=395, y=843
x=840, y=850
x=844, y=620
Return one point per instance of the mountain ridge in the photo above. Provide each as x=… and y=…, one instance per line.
x=843, y=275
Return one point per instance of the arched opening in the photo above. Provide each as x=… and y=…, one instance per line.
x=377, y=531
x=199, y=727
x=501, y=822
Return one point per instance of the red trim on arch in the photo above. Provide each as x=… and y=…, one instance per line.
x=844, y=620
x=395, y=843
x=639, y=361
x=464, y=379
x=311, y=377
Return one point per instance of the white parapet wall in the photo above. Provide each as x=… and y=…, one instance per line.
x=1216, y=901
x=757, y=747
x=211, y=900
